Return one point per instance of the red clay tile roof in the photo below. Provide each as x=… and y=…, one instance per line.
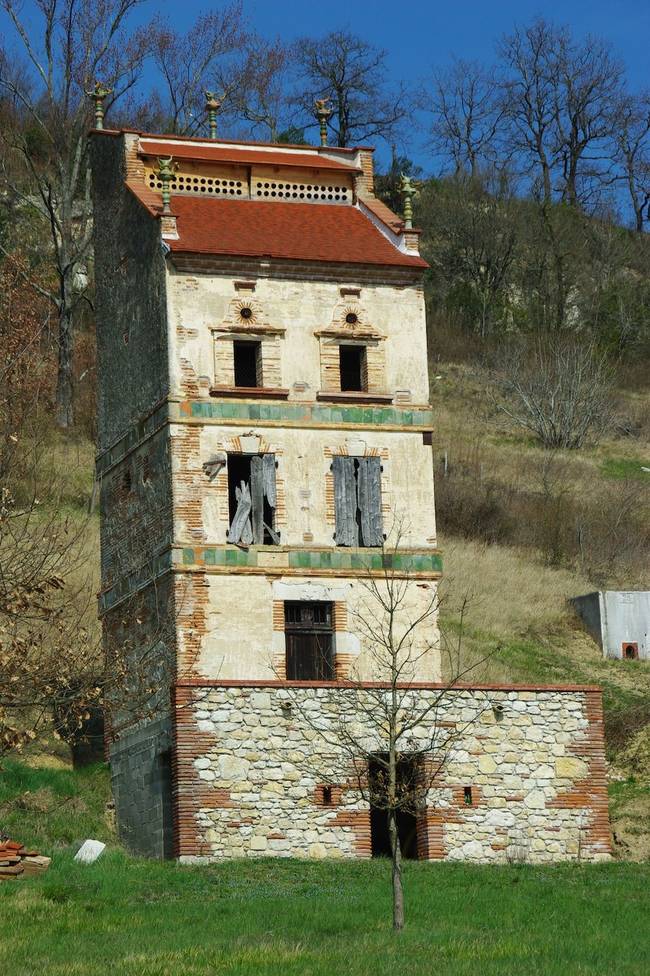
x=384, y=213
x=227, y=154
x=292, y=231
x=282, y=146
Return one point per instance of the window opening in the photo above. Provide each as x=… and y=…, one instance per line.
x=247, y=359
x=467, y=796
x=357, y=501
x=408, y=769
x=327, y=796
x=252, y=499
x=353, y=368
x=309, y=641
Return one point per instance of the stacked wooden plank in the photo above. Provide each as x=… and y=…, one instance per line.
x=16, y=860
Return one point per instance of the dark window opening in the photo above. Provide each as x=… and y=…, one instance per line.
x=357, y=501
x=467, y=796
x=252, y=499
x=327, y=796
x=354, y=372
x=309, y=642
x=247, y=357
x=408, y=769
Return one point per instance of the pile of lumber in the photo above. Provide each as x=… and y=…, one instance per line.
x=16, y=860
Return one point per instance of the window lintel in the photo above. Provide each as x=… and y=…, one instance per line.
x=239, y=329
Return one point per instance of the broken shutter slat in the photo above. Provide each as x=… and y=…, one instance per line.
x=257, y=499
x=240, y=529
x=345, y=501
x=268, y=467
x=369, y=492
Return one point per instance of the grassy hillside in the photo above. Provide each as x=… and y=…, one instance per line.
x=142, y=918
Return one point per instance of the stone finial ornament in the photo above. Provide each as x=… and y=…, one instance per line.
x=213, y=103
x=408, y=191
x=98, y=94
x=323, y=113
x=165, y=173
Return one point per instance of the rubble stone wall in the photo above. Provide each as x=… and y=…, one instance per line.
x=253, y=761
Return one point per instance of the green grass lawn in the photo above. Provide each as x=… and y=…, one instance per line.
x=132, y=917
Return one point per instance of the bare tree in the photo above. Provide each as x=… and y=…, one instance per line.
x=389, y=740
x=560, y=96
x=353, y=74
x=632, y=154
x=206, y=57
x=262, y=97
x=45, y=76
x=560, y=390
x=466, y=115
x=589, y=90
x=53, y=668
x=529, y=99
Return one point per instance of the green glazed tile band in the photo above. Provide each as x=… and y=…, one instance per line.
x=340, y=559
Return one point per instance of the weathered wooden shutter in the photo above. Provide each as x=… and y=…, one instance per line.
x=345, y=501
x=369, y=498
x=240, y=529
x=268, y=469
x=257, y=499
x=270, y=494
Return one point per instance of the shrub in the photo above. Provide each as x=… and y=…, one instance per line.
x=559, y=389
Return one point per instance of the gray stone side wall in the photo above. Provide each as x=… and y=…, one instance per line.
x=252, y=769
x=136, y=509
x=132, y=342
x=141, y=782
x=139, y=641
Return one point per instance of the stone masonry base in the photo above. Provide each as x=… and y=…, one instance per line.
x=258, y=772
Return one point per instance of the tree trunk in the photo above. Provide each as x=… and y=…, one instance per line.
x=64, y=384
x=396, y=857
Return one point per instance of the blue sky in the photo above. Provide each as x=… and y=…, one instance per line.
x=430, y=33
x=422, y=34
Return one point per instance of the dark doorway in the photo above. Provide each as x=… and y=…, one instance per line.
x=352, y=364
x=246, y=357
x=407, y=775
x=309, y=643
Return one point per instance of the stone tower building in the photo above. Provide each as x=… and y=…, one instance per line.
x=264, y=446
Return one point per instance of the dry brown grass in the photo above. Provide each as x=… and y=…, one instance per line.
x=508, y=593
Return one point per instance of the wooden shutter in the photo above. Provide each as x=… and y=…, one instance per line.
x=257, y=499
x=369, y=498
x=345, y=501
x=240, y=529
x=268, y=472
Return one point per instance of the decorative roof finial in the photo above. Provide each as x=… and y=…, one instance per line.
x=408, y=191
x=165, y=173
x=323, y=113
x=98, y=94
x=213, y=103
